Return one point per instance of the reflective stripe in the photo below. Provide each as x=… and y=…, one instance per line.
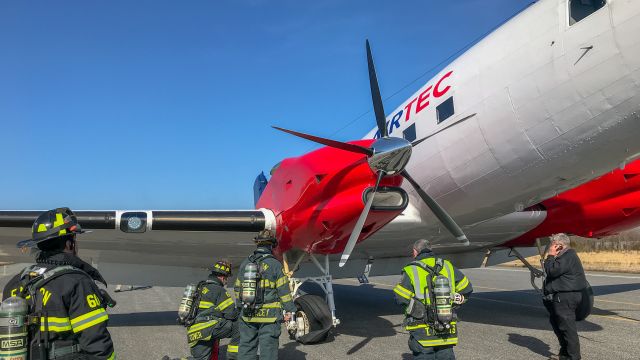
x=200, y=326
x=401, y=293
x=439, y=342
x=55, y=324
x=273, y=305
x=286, y=298
x=463, y=284
x=88, y=320
x=232, y=348
x=282, y=281
x=418, y=290
x=205, y=304
x=416, y=327
x=266, y=283
x=225, y=304
x=112, y=356
x=259, y=319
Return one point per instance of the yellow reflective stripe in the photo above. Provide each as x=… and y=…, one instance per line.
x=416, y=327
x=397, y=291
x=42, y=228
x=232, y=348
x=282, y=281
x=259, y=319
x=205, y=304
x=438, y=342
x=225, y=304
x=286, y=298
x=400, y=290
x=55, y=324
x=462, y=284
x=273, y=305
x=266, y=283
x=88, y=320
x=112, y=356
x=200, y=326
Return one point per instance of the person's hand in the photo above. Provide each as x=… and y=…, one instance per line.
x=458, y=299
x=287, y=317
x=554, y=249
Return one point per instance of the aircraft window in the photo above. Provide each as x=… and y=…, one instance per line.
x=445, y=110
x=410, y=133
x=580, y=9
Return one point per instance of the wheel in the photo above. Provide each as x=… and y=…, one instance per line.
x=313, y=319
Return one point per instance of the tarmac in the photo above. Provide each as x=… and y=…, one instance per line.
x=504, y=319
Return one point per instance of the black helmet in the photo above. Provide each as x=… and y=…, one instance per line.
x=266, y=237
x=52, y=224
x=222, y=268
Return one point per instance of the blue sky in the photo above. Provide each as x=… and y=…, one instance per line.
x=168, y=104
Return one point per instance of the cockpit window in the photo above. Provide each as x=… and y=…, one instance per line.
x=580, y=9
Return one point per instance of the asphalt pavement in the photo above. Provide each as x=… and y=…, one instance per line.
x=504, y=319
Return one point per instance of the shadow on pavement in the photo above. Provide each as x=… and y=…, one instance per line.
x=151, y=318
x=534, y=344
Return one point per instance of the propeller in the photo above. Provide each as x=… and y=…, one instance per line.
x=386, y=156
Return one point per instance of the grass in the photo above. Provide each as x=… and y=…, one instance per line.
x=614, y=261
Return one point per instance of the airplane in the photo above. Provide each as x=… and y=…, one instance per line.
x=530, y=132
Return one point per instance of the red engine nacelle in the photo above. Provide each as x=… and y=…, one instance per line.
x=318, y=197
x=601, y=207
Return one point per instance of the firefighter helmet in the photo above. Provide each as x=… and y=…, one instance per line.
x=222, y=268
x=52, y=224
x=266, y=237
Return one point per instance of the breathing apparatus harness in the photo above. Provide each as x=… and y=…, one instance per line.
x=438, y=314
x=188, y=313
x=32, y=279
x=252, y=292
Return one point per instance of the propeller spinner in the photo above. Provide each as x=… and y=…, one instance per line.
x=387, y=156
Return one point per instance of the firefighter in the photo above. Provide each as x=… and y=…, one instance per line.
x=66, y=307
x=216, y=316
x=262, y=305
x=429, y=291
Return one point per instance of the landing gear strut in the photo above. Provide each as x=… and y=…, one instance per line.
x=535, y=273
x=315, y=316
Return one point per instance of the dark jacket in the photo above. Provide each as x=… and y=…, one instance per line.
x=71, y=305
x=216, y=301
x=275, y=285
x=564, y=273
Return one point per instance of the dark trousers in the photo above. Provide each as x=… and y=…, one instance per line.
x=229, y=329
x=263, y=335
x=430, y=353
x=562, y=311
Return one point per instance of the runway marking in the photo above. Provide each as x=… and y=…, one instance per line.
x=588, y=274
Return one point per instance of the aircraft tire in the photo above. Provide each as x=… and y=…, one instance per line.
x=314, y=319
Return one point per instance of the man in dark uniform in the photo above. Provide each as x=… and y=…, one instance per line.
x=260, y=325
x=565, y=280
x=216, y=317
x=62, y=294
x=427, y=339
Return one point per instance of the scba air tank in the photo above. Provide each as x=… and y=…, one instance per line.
x=442, y=290
x=249, y=284
x=186, y=303
x=13, y=329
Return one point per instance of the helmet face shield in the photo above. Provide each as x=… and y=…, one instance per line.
x=52, y=224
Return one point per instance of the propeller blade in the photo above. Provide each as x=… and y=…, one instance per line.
x=328, y=142
x=438, y=211
x=381, y=120
x=355, y=234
